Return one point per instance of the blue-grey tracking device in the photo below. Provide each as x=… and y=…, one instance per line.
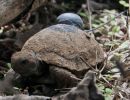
x=70, y=19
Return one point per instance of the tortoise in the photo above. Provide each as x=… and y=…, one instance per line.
x=56, y=57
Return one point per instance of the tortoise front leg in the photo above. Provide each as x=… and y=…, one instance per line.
x=42, y=90
x=63, y=78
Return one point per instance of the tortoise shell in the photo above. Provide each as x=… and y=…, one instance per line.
x=65, y=46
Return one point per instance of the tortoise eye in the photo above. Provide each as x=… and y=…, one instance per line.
x=24, y=61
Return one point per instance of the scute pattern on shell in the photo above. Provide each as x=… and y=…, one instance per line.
x=65, y=46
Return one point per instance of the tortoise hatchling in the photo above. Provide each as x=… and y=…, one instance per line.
x=56, y=57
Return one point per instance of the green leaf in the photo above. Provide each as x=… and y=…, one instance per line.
x=1, y=30
x=108, y=91
x=124, y=3
x=83, y=14
x=116, y=29
x=111, y=33
x=95, y=25
x=9, y=65
x=101, y=87
x=108, y=97
x=125, y=45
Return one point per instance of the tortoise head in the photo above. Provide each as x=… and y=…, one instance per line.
x=70, y=19
x=26, y=63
